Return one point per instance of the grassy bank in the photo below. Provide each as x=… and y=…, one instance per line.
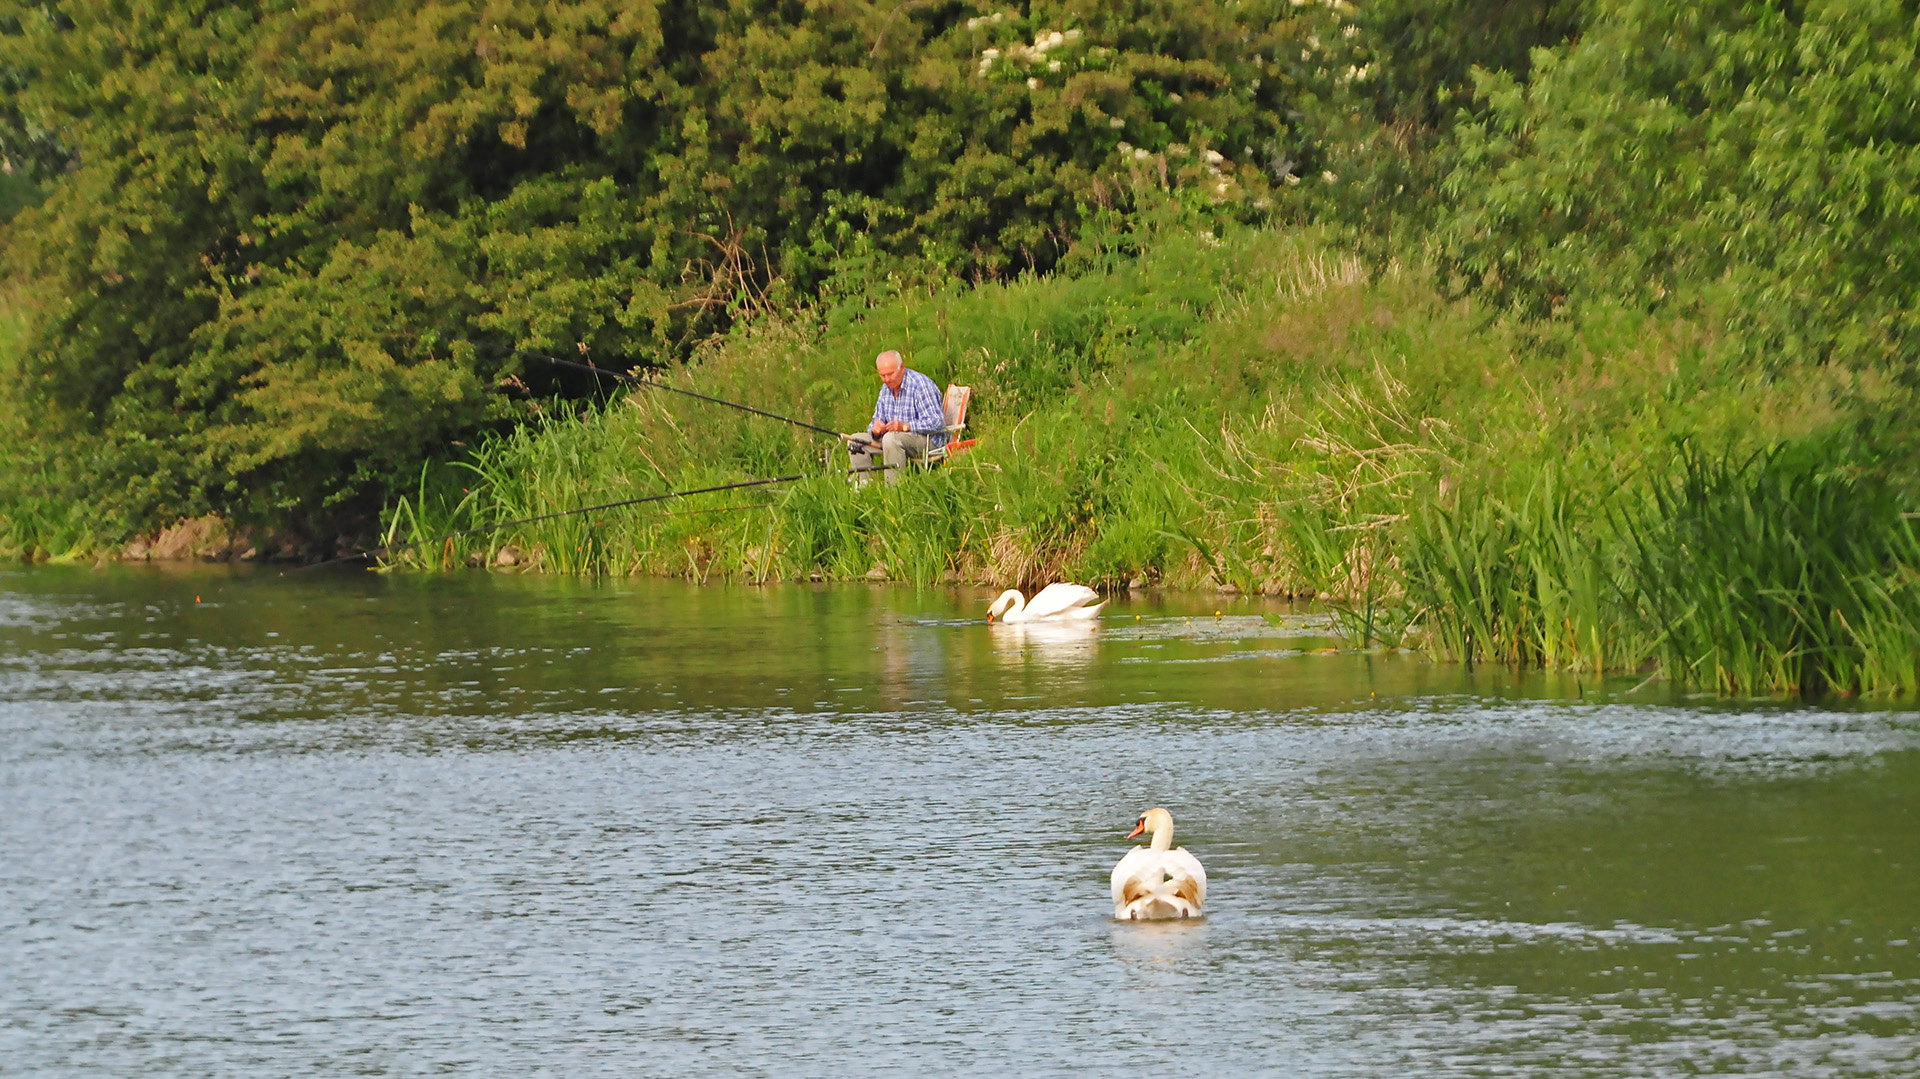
x=34, y=522
x=1260, y=412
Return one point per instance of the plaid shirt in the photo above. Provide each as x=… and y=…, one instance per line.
x=918, y=403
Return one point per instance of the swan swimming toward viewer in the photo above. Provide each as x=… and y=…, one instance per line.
x=1054, y=603
x=1155, y=882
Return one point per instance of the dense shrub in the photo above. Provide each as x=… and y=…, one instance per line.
x=1758, y=160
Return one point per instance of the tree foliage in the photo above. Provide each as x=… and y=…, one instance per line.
x=1761, y=157
x=28, y=149
x=1429, y=48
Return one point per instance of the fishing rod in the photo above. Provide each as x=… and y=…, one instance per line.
x=635, y=380
x=619, y=376
x=393, y=549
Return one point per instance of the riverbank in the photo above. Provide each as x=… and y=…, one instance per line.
x=1259, y=411
x=1253, y=411
x=1615, y=386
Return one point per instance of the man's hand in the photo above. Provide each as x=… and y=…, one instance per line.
x=884, y=426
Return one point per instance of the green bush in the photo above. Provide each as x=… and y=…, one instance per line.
x=17, y=192
x=1757, y=162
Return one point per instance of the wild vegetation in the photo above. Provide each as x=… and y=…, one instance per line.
x=1257, y=412
x=1563, y=333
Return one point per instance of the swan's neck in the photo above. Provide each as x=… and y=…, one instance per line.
x=1163, y=837
x=1019, y=604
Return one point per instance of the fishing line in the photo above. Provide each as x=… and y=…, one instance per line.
x=392, y=549
x=635, y=380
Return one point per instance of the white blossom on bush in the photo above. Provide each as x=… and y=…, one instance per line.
x=1035, y=55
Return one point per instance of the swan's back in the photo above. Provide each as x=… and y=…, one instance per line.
x=1150, y=884
x=1061, y=600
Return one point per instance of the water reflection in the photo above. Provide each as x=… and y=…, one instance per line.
x=1063, y=644
x=913, y=663
x=1160, y=947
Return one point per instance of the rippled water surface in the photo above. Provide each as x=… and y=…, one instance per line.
x=353, y=824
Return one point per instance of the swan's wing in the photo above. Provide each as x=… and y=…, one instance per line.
x=1188, y=875
x=1080, y=613
x=1055, y=598
x=1129, y=878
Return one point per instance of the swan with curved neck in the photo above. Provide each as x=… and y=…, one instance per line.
x=1058, y=602
x=1158, y=881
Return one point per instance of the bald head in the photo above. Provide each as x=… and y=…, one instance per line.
x=892, y=369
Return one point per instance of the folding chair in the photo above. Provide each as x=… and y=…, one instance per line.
x=955, y=407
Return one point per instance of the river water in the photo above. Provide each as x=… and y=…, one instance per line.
x=266, y=825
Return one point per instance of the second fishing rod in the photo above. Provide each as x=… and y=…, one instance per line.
x=635, y=380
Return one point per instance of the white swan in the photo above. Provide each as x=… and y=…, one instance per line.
x=1154, y=882
x=1054, y=603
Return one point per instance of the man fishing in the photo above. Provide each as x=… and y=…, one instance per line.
x=908, y=420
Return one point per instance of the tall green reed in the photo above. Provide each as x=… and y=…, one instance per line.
x=1778, y=572
x=1525, y=581
x=1781, y=572
x=43, y=526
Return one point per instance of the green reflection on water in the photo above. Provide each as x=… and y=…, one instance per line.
x=668, y=644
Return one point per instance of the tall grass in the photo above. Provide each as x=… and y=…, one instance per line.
x=1526, y=581
x=1097, y=462
x=1257, y=412
x=1777, y=573
x=34, y=521
x=1773, y=572
x=36, y=525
